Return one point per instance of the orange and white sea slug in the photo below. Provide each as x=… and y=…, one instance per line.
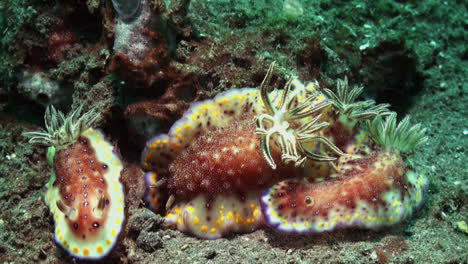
x=379, y=190
x=371, y=187
x=208, y=172
x=84, y=193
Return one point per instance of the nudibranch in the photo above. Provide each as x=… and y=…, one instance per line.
x=297, y=159
x=373, y=191
x=208, y=172
x=84, y=193
x=370, y=187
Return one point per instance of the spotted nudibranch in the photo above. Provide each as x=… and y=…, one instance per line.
x=370, y=187
x=84, y=193
x=212, y=173
x=208, y=172
x=374, y=191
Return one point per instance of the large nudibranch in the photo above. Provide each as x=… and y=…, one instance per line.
x=84, y=193
x=374, y=191
x=250, y=155
x=370, y=187
x=208, y=172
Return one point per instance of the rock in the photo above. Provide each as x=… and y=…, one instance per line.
x=149, y=241
x=145, y=220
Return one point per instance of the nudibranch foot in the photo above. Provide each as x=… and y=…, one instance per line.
x=371, y=192
x=216, y=218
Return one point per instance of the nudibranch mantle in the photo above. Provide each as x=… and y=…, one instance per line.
x=216, y=140
x=218, y=112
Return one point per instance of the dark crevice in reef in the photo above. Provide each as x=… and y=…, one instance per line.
x=23, y=109
x=390, y=74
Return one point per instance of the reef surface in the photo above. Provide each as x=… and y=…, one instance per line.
x=413, y=56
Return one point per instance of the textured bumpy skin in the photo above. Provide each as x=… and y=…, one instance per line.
x=160, y=151
x=220, y=161
x=221, y=175
x=219, y=112
x=210, y=172
x=209, y=114
x=369, y=191
x=85, y=196
x=212, y=165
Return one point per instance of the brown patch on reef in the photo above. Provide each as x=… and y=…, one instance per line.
x=59, y=42
x=226, y=63
x=165, y=112
x=152, y=71
x=392, y=246
x=148, y=118
x=133, y=180
x=309, y=59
